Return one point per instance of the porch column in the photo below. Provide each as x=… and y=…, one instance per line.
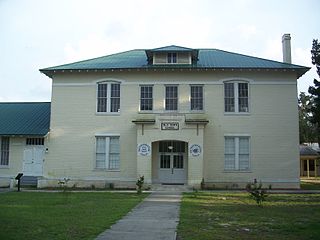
x=315, y=168
x=308, y=170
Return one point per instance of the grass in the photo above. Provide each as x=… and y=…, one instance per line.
x=236, y=216
x=312, y=185
x=43, y=215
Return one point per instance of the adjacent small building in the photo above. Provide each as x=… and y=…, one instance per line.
x=173, y=114
x=24, y=129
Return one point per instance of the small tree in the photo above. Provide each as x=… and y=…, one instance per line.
x=139, y=184
x=256, y=192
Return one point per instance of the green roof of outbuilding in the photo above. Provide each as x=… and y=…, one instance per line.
x=28, y=118
x=206, y=59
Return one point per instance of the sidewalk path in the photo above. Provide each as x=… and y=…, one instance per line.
x=156, y=218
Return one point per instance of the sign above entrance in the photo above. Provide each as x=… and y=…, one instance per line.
x=144, y=149
x=170, y=126
x=195, y=150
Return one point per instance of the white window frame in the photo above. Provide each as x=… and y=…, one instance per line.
x=140, y=88
x=108, y=111
x=237, y=153
x=107, y=151
x=195, y=110
x=165, y=97
x=4, y=165
x=236, y=97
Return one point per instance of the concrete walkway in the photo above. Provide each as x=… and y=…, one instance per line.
x=156, y=218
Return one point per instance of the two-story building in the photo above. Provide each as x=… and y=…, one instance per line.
x=176, y=116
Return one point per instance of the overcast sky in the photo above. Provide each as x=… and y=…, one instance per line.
x=41, y=33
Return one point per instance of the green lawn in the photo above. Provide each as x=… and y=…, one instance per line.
x=315, y=185
x=236, y=216
x=40, y=215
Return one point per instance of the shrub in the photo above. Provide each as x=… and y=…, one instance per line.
x=257, y=192
x=139, y=184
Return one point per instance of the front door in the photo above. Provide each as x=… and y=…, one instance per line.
x=172, y=165
x=33, y=157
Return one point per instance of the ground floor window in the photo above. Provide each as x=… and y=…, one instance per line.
x=237, y=153
x=4, y=158
x=107, y=152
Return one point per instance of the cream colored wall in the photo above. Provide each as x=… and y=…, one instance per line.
x=15, y=161
x=16, y=148
x=272, y=123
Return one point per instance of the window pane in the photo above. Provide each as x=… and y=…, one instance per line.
x=196, y=98
x=102, y=97
x=146, y=98
x=243, y=161
x=229, y=97
x=4, y=151
x=229, y=145
x=229, y=156
x=171, y=102
x=243, y=97
x=164, y=161
x=244, y=145
x=115, y=98
x=114, y=153
x=100, y=152
x=178, y=161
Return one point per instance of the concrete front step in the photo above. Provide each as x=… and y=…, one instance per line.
x=170, y=188
x=29, y=181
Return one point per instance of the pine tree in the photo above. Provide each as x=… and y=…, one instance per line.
x=315, y=90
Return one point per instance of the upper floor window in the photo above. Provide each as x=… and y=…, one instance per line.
x=172, y=58
x=171, y=101
x=237, y=153
x=236, y=97
x=108, y=97
x=146, y=98
x=196, y=98
x=4, y=151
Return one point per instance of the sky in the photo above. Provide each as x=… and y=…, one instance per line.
x=35, y=34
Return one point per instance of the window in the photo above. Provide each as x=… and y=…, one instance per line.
x=196, y=98
x=108, y=99
x=171, y=102
x=4, y=158
x=35, y=141
x=107, y=153
x=236, y=97
x=237, y=153
x=146, y=98
x=172, y=58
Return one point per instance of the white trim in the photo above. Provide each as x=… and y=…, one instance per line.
x=237, y=135
x=235, y=83
x=102, y=134
x=208, y=82
x=203, y=98
x=108, y=110
x=237, y=151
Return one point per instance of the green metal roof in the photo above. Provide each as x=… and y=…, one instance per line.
x=206, y=59
x=172, y=48
x=27, y=118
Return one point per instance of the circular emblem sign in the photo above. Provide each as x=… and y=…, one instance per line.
x=195, y=150
x=144, y=149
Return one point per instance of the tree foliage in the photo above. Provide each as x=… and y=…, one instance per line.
x=309, y=105
x=315, y=90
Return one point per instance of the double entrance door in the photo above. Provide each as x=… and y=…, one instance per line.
x=172, y=163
